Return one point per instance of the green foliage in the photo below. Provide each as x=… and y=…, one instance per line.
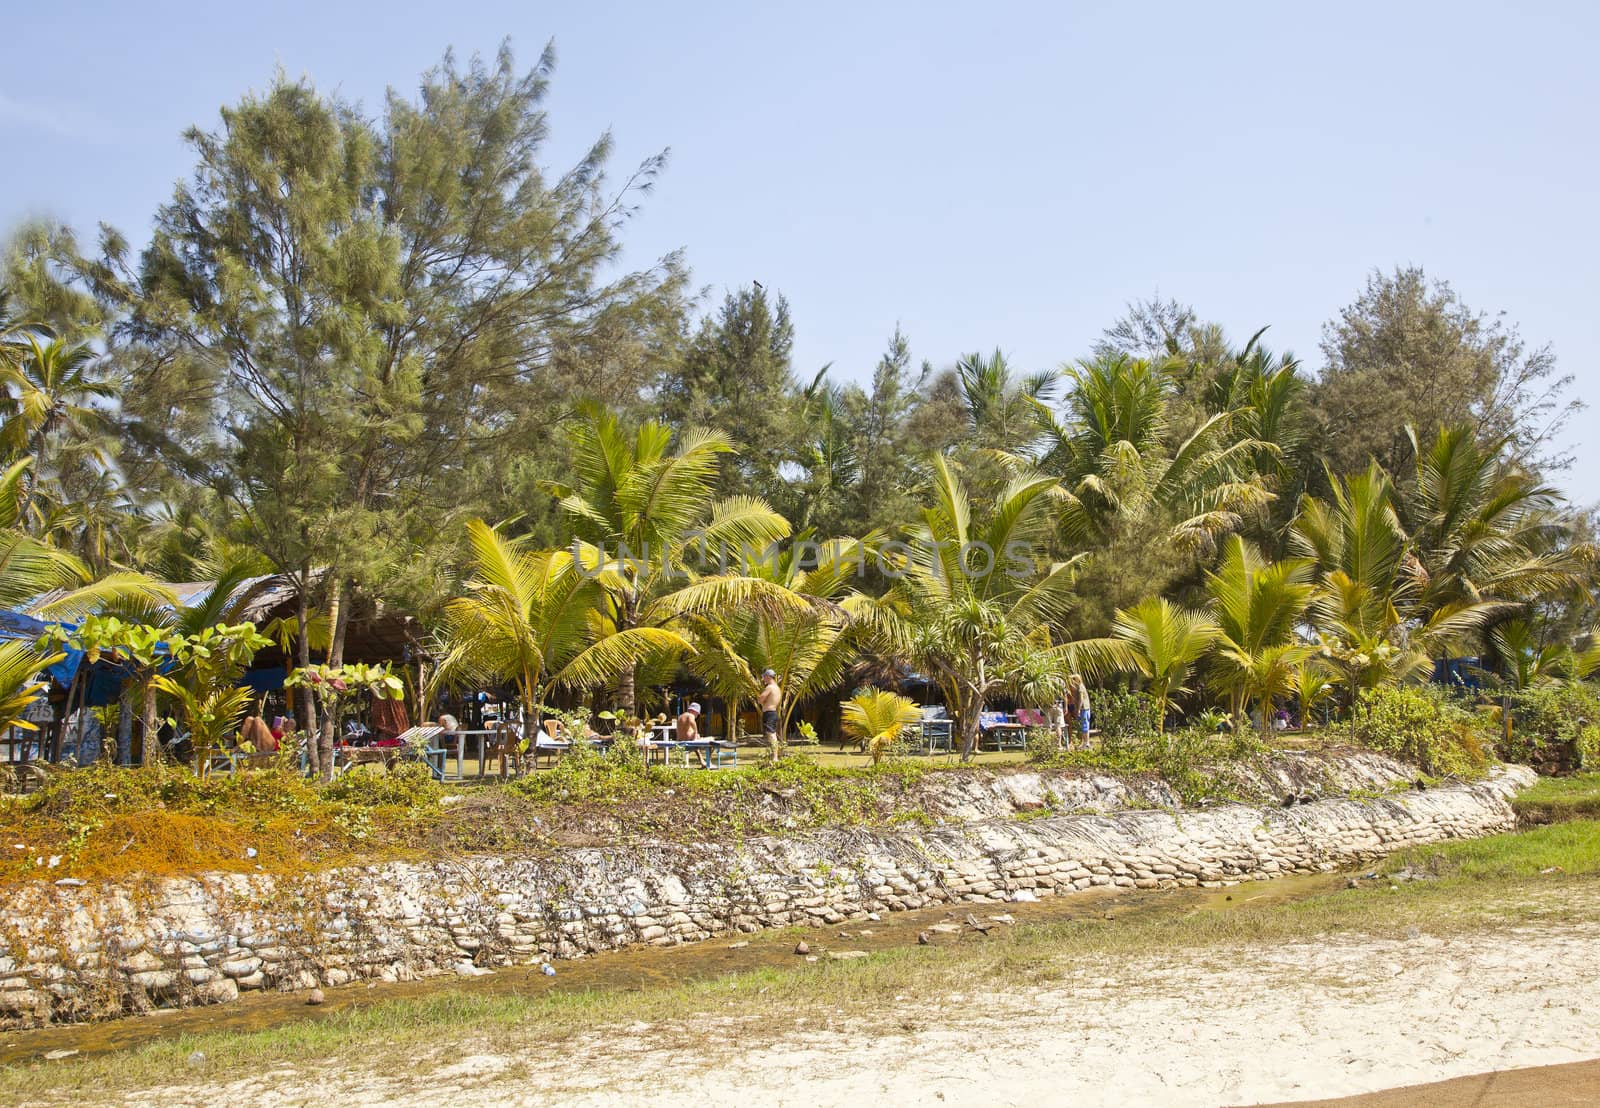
x=1554, y=799
x=407, y=785
x=353, y=330
x=20, y=686
x=764, y=798
x=1125, y=718
x=1426, y=727
x=877, y=718
x=1197, y=763
x=1408, y=353
x=1555, y=724
x=1165, y=642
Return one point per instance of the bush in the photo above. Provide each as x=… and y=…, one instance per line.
x=1126, y=719
x=1194, y=761
x=404, y=785
x=1426, y=727
x=1558, y=724
x=102, y=821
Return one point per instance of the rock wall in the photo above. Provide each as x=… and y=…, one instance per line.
x=72, y=951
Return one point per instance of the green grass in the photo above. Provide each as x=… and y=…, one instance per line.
x=1571, y=847
x=1541, y=876
x=1553, y=799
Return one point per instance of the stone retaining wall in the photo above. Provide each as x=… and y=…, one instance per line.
x=74, y=952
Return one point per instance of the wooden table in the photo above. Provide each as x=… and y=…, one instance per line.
x=1007, y=736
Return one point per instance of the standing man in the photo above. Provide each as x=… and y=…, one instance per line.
x=769, y=698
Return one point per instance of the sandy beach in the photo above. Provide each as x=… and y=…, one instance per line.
x=1214, y=1027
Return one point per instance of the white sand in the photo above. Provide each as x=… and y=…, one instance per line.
x=1233, y=1026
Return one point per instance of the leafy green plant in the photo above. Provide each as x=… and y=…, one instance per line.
x=1555, y=724
x=1126, y=718
x=878, y=717
x=20, y=667
x=1426, y=727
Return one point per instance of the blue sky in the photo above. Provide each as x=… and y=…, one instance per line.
x=1003, y=175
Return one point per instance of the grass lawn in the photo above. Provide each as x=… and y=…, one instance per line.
x=1553, y=799
x=1540, y=876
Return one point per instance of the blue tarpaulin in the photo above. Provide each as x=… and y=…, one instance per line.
x=105, y=680
x=20, y=625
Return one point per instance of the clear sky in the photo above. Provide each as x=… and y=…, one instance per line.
x=985, y=175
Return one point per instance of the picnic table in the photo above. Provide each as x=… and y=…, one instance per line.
x=712, y=752
x=1002, y=730
x=461, y=736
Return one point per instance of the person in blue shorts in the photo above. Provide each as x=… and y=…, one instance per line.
x=1078, y=697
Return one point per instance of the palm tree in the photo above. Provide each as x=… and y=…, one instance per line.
x=1482, y=529
x=1311, y=684
x=878, y=718
x=972, y=593
x=50, y=581
x=808, y=644
x=1000, y=406
x=1163, y=641
x=1111, y=455
x=532, y=617
x=52, y=386
x=648, y=510
x=1257, y=607
x=826, y=453
x=1370, y=612
x=1523, y=659
x=20, y=667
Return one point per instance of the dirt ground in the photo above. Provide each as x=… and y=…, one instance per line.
x=1232, y=1026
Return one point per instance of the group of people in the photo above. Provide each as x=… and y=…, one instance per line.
x=1070, y=714
x=769, y=700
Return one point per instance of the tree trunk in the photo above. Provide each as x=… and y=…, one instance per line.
x=308, y=722
x=339, y=620
x=125, y=722
x=627, y=687
x=972, y=706
x=147, y=754
x=52, y=753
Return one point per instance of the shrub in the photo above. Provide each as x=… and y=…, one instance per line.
x=1126, y=719
x=1194, y=761
x=1555, y=724
x=405, y=785
x=1426, y=727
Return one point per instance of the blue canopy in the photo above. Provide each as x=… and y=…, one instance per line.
x=21, y=626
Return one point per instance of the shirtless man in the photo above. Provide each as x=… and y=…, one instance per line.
x=768, y=699
x=688, y=724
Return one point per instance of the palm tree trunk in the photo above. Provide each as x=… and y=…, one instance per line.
x=627, y=691
x=339, y=620
x=627, y=698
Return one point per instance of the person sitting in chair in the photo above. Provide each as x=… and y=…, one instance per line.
x=255, y=737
